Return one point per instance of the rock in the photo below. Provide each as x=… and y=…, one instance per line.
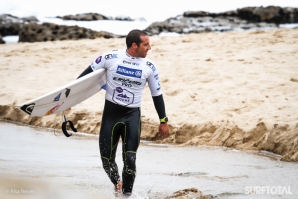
x=195, y=14
x=84, y=17
x=123, y=18
x=11, y=25
x=291, y=15
x=34, y=32
x=94, y=17
x=186, y=193
x=247, y=18
x=270, y=14
x=191, y=193
x=170, y=25
x=30, y=19
x=207, y=14
x=206, y=23
x=1, y=40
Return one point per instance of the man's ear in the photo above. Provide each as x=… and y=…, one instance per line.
x=134, y=45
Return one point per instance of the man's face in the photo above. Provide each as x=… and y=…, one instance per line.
x=144, y=47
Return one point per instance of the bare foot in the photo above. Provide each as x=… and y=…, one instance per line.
x=118, y=187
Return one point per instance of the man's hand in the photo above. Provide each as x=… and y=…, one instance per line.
x=163, y=130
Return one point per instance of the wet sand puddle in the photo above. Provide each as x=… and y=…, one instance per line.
x=35, y=163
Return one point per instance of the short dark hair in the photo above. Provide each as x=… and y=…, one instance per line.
x=134, y=36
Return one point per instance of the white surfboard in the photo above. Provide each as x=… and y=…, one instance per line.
x=66, y=96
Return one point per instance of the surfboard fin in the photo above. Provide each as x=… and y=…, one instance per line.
x=64, y=127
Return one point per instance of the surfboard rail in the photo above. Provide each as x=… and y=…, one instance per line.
x=66, y=96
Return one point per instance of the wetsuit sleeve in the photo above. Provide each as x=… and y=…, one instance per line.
x=159, y=106
x=85, y=72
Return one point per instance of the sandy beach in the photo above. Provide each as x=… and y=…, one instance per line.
x=235, y=89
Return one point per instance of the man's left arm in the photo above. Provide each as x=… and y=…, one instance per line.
x=155, y=89
x=159, y=104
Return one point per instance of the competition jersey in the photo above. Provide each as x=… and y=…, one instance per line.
x=127, y=76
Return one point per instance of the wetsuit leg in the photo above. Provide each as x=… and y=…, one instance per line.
x=125, y=122
x=130, y=144
x=108, y=142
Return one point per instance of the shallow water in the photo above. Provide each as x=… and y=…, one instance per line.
x=34, y=159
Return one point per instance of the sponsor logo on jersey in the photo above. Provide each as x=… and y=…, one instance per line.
x=28, y=108
x=111, y=56
x=123, y=96
x=57, y=97
x=130, y=72
x=158, y=86
x=98, y=60
x=132, y=63
x=127, y=82
x=151, y=66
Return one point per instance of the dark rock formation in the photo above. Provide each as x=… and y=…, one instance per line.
x=270, y=14
x=123, y=18
x=11, y=25
x=93, y=17
x=1, y=40
x=209, y=14
x=84, y=17
x=248, y=18
x=30, y=31
x=186, y=25
x=51, y=32
x=176, y=25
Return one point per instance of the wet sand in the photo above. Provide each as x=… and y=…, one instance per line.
x=34, y=159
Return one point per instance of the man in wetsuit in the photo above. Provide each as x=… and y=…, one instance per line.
x=127, y=72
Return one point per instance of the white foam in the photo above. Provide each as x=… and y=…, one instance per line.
x=11, y=39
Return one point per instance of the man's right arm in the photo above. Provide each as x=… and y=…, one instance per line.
x=86, y=72
x=99, y=62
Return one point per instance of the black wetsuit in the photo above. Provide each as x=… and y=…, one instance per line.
x=119, y=121
x=126, y=78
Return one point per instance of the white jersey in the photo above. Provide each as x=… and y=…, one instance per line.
x=127, y=76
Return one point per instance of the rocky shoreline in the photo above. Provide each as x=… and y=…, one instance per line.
x=247, y=18
x=33, y=32
x=29, y=29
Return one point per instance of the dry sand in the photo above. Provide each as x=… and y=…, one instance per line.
x=237, y=89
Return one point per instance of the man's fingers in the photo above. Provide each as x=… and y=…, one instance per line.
x=163, y=130
x=165, y=134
